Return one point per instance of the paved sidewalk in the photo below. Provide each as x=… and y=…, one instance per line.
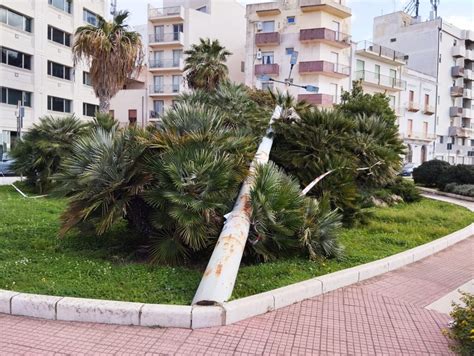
x=384, y=315
x=467, y=204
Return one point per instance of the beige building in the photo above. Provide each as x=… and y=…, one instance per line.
x=36, y=64
x=319, y=30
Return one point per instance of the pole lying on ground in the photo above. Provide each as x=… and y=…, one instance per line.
x=219, y=278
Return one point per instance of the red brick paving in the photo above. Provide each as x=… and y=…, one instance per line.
x=381, y=316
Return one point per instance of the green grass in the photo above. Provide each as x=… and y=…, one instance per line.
x=33, y=259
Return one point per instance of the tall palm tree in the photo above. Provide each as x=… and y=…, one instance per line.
x=205, y=64
x=113, y=52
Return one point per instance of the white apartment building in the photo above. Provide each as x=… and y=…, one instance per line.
x=317, y=29
x=36, y=64
x=173, y=29
x=445, y=52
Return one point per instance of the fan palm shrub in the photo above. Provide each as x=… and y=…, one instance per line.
x=39, y=153
x=205, y=64
x=113, y=52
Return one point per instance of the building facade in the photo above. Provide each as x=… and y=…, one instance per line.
x=37, y=67
x=172, y=30
x=319, y=30
x=445, y=52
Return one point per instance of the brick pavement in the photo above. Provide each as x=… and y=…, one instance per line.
x=381, y=316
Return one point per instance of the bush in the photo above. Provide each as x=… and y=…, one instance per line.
x=405, y=189
x=429, y=172
x=459, y=174
x=462, y=329
x=461, y=189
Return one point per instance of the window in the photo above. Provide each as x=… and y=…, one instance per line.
x=267, y=86
x=393, y=40
x=202, y=9
x=89, y=109
x=427, y=100
x=267, y=58
x=177, y=54
x=290, y=20
x=411, y=96
x=15, y=58
x=410, y=126
x=13, y=96
x=334, y=92
x=177, y=30
x=132, y=117
x=268, y=26
x=242, y=66
x=15, y=19
x=59, y=70
x=59, y=36
x=289, y=51
x=392, y=101
x=86, y=79
x=377, y=71
x=90, y=17
x=59, y=104
x=63, y=5
x=158, y=107
x=441, y=139
x=176, y=83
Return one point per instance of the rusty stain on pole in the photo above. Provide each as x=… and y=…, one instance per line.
x=219, y=278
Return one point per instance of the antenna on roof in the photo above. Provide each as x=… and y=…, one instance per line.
x=434, y=7
x=412, y=7
x=113, y=7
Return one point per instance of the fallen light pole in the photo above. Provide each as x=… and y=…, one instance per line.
x=219, y=278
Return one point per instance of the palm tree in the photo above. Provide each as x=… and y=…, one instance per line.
x=205, y=65
x=113, y=52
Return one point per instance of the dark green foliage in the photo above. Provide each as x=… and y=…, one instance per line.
x=263, y=98
x=429, y=172
x=39, y=153
x=105, y=121
x=405, y=189
x=459, y=174
x=462, y=329
x=461, y=189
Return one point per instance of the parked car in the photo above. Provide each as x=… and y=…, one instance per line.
x=407, y=170
x=6, y=166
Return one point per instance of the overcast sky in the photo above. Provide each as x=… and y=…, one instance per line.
x=458, y=12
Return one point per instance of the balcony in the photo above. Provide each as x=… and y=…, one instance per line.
x=325, y=35
x=458, y=51
x=469, y=55
x=267, y=39
x=455, y=111
x=468, y=94
x=456, y=91
x=329, y=6
x=166, y=39
x=262, y=69
x=267, y=9
x=468, y=35
x=459, y=131
x=468, y=74
x=380, y=81
x=172, y=13
x=429, y=110
x=418, y=136
x=325, y=68
x=317, y=99
x=413, y=107
x=156, y=115
x=165, y=90
x=380, y=53
x=467, y=113
x=457, y=72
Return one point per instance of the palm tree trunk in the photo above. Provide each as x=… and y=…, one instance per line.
x=104, y=104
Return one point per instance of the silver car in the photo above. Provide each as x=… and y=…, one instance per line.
x=6, y=164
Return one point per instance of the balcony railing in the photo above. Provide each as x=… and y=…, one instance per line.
x=333, y=7
x=413, y=106
x=165, y=63
x=156, y=114
x=458, y=51
x=419, y=136
x=172, y=11
x=165, y=37
x=317, y=99
x=456, y=91
x=455, y=111
x=380, y=80
x=468, y=94
x=165, y=89
x=457, y=71
x=429, y=109
x=381, y=51
x=467, y=113
x=262, y=69
x=325, y=35
x=324, y=67
x=267, y=39
x=459, y=131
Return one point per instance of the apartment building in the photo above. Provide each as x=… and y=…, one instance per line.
x=445, y=52
x=36, y=65
x=172, y=30
x=318, y=30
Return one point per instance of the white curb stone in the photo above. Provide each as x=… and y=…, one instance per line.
x=373, y=269
x=166, y=316
x=247, y=307
x=5, y=300
x=339, y=279
x=297, y=292
x=98, y=311
x=35, y=305
x=207, y=316
x=399, y=260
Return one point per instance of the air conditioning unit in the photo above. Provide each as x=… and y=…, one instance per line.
x=259, y=26
x=259, y=54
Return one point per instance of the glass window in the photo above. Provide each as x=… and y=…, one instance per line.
x=86, y=78
x=290, y=50
x=267, y=57
x=64, y=5
x=159, y=106
x=59, y=104
x=59, y=36
x=13, y=96
x=291, y=20
x=89, y=109
x=268, y=26
x=15, y=19
x=15, y=58
x=59, y=71
x=176, y=83
x=90, y=17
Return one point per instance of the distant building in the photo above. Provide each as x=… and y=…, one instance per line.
x=445, y=52
x=36, y=63
x=319, y=30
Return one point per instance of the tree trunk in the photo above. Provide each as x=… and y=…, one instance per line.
x=104, y=104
